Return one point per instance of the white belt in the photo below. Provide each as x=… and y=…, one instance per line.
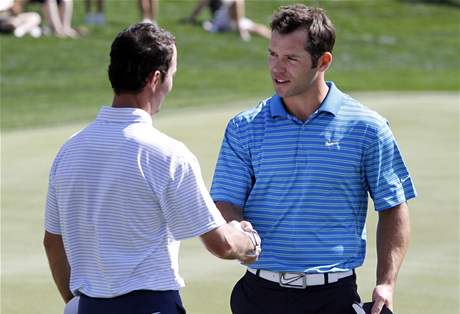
x=300, y=280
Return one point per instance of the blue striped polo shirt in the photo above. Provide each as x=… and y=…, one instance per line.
x=304, y=185
x=122, y=194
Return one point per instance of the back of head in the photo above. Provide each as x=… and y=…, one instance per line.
x=136, y=52
x=320, y=30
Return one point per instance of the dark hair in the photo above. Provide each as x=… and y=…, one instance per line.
x=135, y=53
x=320, y=30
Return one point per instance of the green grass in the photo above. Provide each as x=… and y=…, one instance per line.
x=427, y=128
x=381, y=45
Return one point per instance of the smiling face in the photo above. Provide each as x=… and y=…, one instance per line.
x=290, y=65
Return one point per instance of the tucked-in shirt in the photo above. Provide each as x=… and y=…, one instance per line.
x=122, y=194
x=304, y=185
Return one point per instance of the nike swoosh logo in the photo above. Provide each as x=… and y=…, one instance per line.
x=331, y=143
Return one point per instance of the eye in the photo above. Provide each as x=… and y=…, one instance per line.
x=292, y=59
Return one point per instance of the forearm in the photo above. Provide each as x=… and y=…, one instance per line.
x=230, y=211
x=59, y=265
x=393, y=235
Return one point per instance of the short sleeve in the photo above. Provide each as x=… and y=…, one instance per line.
x=233, y=177
x=52, y=220
x=187, y=206
x=386, y=173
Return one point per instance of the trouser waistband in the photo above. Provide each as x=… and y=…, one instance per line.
x=300, y=280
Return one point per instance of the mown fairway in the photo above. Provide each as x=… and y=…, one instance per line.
x=425, y=124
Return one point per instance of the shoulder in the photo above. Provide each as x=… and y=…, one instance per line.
x=354, y=110
x=69, y=144
x=157, y=143
x=160, y=157
x=252, y=116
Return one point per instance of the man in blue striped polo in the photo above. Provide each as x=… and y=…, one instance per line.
x=122, y=194
x=299, y=167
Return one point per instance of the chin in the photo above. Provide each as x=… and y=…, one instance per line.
x=280, y=93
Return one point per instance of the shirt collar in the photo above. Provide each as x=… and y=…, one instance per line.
x=126, y=115
x=331, y=103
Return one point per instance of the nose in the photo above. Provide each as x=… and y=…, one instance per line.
x=277, y=67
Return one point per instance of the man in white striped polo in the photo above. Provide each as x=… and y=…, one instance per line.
x=299, y=167
x=122, y=194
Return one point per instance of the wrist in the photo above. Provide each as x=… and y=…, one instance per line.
x=386, y=281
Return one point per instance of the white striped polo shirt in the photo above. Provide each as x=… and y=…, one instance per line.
x=122, y=194
x=304, y=185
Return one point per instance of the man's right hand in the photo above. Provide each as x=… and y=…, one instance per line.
x=234, y=240
x=252, y=255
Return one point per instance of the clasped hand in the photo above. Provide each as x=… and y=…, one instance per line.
x=246, y=227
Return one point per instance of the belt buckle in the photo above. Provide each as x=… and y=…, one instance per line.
x=288, y=282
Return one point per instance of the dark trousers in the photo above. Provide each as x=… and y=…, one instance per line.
x=135, y=302
x=254, y=295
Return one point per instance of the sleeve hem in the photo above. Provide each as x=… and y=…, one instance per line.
x=391, y=204
x=53, y=231
x=199, y=232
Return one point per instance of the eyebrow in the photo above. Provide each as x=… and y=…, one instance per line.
x=289, y=55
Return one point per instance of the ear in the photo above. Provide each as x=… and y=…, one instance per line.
x=154, y=79
x=325, y=61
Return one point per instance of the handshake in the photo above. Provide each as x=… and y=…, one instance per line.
x=247, y=240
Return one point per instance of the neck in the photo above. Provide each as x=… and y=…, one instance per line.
x=302, y=106
x=125, y=100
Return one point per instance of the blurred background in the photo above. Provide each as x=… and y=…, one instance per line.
x=401, y=58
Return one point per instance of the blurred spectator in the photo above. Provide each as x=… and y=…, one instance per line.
x=13, y=20
x=213, y=6
x=98, y=17
x=58, y=14
x=230, y=16
x=149, y=9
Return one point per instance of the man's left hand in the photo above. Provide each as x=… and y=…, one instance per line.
x=382, y=295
